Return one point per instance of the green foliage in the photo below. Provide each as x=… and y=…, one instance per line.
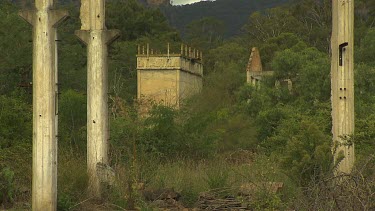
x=15, y=54
x=125, y=134
x=136, y=21
x=18, y=158
x=64, y=202
x=272, y=45
x=206, y=33
x=164, y=133
x=286, y=64
x=365, y=53
x=365, y=136
x=15, y=121
x=138, y=25
x=298, y=139
x=268, y=120
x=288, y=132
x=72, y=53
x=217, y=178
x=72, y=180
x=236, y=131
x=227, y=53
x=122, y=69
x=189, y=196
x=233, y=13
x=72, y=121
x=264, y=200
x=161, y=131
x=7, y=186
x=166, y=137
x=316, y=20
x=308, y=69
x=15, y=49
x=252, y=101
x=272, y=23
x=308, y=151
x=364, y=86
x=222, y=86
x=313, y=80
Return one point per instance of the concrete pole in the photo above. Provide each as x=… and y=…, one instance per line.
x=44, y=180
x=97, y=38
x=342, y=80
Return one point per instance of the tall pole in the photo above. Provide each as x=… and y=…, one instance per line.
x=97, y=38
x=44, y=20
x=342, y=82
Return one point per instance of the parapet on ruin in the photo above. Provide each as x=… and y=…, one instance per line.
x=168, y=78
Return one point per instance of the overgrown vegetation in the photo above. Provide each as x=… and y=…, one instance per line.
x=228, y=136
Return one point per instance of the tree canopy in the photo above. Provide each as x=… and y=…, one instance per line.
x=286, y=133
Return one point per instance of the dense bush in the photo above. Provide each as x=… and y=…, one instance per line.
x=7, y=187
x=285, y=134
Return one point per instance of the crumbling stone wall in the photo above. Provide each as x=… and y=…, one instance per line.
x=168, y=79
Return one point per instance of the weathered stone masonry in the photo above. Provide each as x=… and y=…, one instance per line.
x=169, y=78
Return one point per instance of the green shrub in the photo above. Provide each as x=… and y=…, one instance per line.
x=7, y=189
x=307, y=150
x=189, y=196
x=166, y=134
x=72, y=180
x=64, y=202
x=265, y=201
x=72, y=121
x=217, y=178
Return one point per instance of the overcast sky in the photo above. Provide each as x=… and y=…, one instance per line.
x=179, y=2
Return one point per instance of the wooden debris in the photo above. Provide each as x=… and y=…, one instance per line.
x=213, y=201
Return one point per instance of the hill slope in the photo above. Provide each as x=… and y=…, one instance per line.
x=233, y=13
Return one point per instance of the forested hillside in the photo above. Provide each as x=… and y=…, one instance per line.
x=228, y=143
x=233, y=14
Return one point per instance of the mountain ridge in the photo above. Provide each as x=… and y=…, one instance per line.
x=234, y=14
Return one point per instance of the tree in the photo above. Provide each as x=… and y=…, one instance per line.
x=307, y=153
x=72, y=121
x=315, y=17
x=15, y=54
x=206, y=33
x=271, y=46
x=272, y=23
x=135, y=21
x=15, y=121
x=308, y=69
x=366, y=51
x=229, y=52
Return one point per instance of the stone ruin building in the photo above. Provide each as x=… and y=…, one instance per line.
x=255, y=72
x=168, y=78
x=254, y=68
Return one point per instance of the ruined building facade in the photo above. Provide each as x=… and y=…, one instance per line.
x=254, y=70
x=168, y=78
x=255, y=73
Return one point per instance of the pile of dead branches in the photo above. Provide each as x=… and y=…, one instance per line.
x=216, y=200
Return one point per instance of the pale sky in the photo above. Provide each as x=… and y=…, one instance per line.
x=179, y=2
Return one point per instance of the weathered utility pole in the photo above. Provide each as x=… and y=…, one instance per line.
x=97, y=38
x=44, y=20
x=342, y=80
